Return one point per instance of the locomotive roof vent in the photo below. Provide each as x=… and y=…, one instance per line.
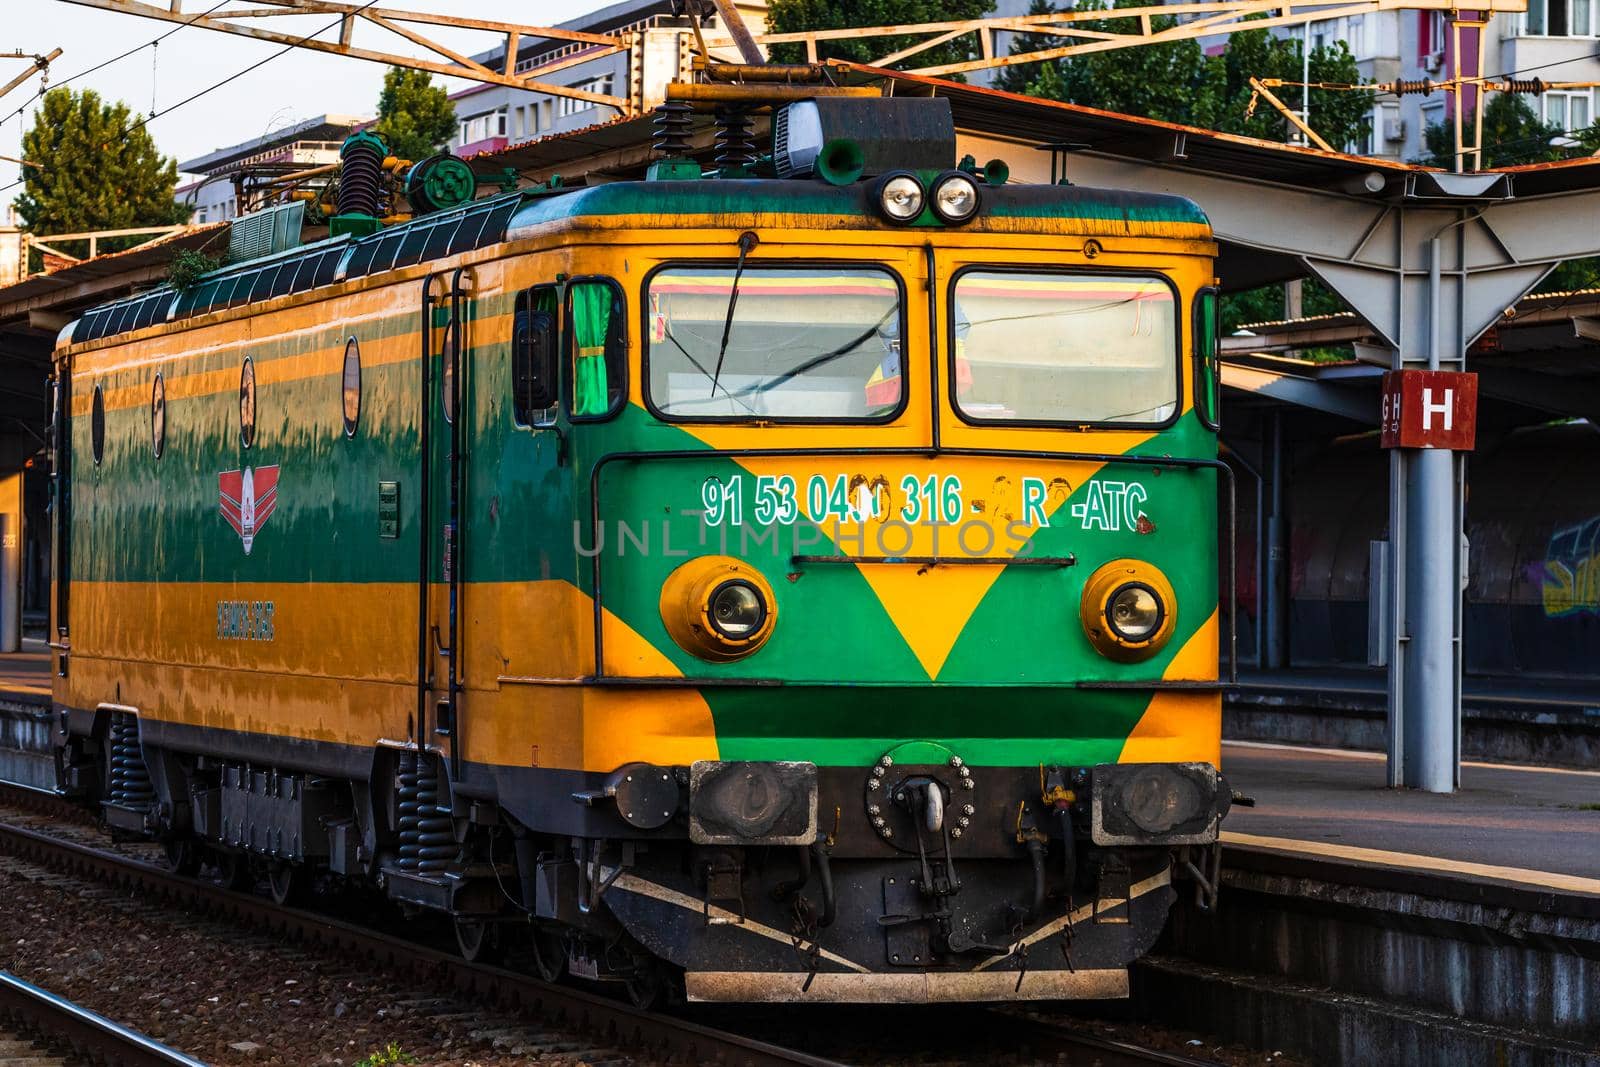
x=916, y=133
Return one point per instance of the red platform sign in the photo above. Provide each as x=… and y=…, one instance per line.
x=1430, y=409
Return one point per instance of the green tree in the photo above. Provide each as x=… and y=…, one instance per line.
x=1158, y=81
x=796, y=16
x=1340, y=117
x=97, y=169
x=1177, y=82
x=415, y=116
x=1017, y=79
x=1513, y=134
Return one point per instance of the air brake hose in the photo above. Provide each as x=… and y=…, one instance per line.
x=830, y=903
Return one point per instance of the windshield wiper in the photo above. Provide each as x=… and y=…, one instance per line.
x=813, y=363
x=697, y=365
x=747, y=241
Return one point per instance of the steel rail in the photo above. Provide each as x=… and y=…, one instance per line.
x=1050, y=1041
x=52, y=1019
x=656, y=1035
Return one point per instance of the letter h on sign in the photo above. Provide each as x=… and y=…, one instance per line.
x=1430, y=409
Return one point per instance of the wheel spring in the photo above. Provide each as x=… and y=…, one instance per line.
x=427, y=841
x=130, y=779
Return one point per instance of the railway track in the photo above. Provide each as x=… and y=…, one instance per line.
x=35, y=1017
x=647, y=1035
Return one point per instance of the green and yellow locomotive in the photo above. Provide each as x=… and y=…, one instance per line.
x=804, y=587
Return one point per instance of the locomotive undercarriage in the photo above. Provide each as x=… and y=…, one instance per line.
x=753, y=881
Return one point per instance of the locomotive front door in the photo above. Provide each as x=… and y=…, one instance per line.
x=447, y=313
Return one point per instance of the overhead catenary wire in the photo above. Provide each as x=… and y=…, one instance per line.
x=114, y=59
x=124, y=134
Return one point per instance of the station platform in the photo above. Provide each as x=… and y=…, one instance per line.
x=25, y=675
x=1540, y=721
x=26, y=757
x=1517, y=826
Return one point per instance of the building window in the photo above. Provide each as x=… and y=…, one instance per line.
x=1389, y=126
x=1567, y=111
x=1360, y=36
x=1559, y=18
x=1431, y=39
x=1432, y=115
x=482, y=127
x=567, y=105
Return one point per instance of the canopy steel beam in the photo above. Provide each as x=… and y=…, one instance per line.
x=244, y=22
x=1203, y=19
x=1356, y=405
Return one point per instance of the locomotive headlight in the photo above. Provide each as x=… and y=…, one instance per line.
x=1128, y=610
x=736, y=609
x=900, y=196
x=1135, y=612
x=955, y=197
x=718, y=607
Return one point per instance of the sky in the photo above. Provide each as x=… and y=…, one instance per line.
x=299, y=85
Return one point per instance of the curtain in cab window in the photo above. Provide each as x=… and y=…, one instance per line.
x=591, y=328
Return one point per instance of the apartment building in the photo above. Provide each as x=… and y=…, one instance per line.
x=309, y=143
x=492, y=116
x=1554, y=40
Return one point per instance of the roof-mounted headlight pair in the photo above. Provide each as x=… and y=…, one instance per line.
x=901, y=196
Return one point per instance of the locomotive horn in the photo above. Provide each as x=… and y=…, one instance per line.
x=841, y=161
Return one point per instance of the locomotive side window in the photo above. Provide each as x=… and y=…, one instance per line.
x=1047, y=349
x=158, y=416
x=534, y=344
x=598, y=339
x=794, y=343
x=350, y=386
x=247, y=403
x=97, y=426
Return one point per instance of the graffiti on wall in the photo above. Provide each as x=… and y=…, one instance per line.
x=1571, y=582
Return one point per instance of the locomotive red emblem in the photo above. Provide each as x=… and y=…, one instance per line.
x=248, y=499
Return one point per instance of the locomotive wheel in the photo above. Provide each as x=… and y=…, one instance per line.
x=478, y=941
x=549, y=955
x=647, y=986
x=234, y=867
x=286, y=881
x=183, y=856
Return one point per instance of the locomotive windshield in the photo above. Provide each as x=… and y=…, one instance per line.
x=797, y=343
x=1064, y=348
